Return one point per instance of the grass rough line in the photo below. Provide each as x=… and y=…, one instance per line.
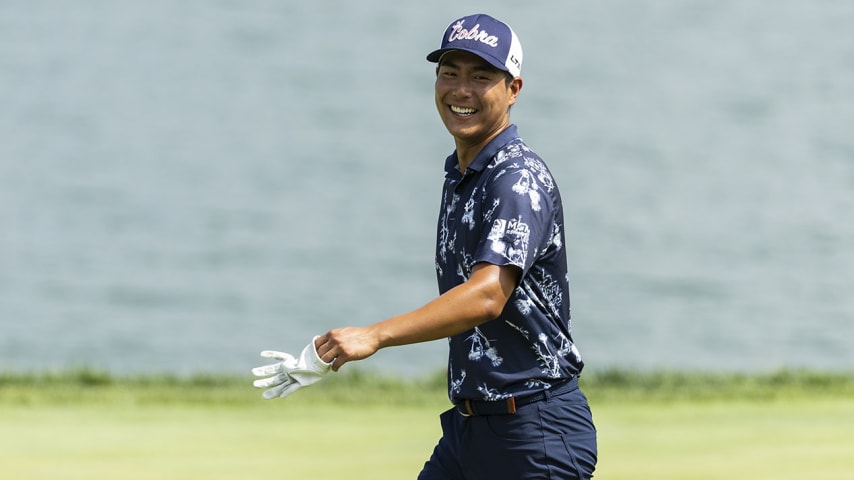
x=356, y=386
x=664, y=385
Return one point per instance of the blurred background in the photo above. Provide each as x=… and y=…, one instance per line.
x=183, y=184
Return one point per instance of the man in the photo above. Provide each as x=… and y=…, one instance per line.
x=501, y=265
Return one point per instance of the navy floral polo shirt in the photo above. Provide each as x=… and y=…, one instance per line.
x=506, y=210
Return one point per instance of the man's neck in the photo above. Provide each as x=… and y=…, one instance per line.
x=467, y=152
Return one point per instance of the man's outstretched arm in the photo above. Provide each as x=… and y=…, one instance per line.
x=478, y=300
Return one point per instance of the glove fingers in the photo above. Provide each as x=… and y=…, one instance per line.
x=277, y=390
x=267, y=370
x=285, y=357
x=272, y=381
x=270, y=394
x=287, y=361
x=289, y=390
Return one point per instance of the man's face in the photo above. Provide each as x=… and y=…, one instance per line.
x=473, y=97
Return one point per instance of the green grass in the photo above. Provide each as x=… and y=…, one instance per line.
x=213, y=442
x=88, y=386
x=792, y=439
x=356, y=386
x=662, y=425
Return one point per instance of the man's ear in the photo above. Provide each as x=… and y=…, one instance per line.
x=515, y=87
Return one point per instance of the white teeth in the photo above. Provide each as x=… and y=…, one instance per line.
x=462, y=110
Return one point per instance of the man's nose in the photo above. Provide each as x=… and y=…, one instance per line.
x=463, y=88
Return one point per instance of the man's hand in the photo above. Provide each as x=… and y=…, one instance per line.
x=290, y=374
x=343, y=345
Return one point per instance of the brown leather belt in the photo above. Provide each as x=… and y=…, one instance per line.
x=508, y=406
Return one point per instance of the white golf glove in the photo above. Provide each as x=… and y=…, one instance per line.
x=290, y=374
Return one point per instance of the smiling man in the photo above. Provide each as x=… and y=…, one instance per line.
x=501, y=266
x=519, y=413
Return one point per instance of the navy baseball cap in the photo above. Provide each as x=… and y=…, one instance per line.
x=486, y=37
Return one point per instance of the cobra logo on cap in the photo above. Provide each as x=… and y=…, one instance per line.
x=460, y=33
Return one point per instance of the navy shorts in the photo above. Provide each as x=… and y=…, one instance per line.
x=551, y=439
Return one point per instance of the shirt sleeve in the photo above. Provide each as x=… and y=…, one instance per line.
x=517, y=214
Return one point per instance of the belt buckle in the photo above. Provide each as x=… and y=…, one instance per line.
x=469, y=411
x=511, y=405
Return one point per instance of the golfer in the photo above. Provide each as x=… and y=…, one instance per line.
x=504, y=296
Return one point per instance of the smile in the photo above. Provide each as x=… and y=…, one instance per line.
x=464, y=111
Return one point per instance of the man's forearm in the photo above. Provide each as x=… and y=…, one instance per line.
x=466, y=306
x=479, y=300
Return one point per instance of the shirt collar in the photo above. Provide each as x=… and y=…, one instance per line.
x=486, y=153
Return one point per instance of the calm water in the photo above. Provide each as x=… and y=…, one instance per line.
x=183, y=184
